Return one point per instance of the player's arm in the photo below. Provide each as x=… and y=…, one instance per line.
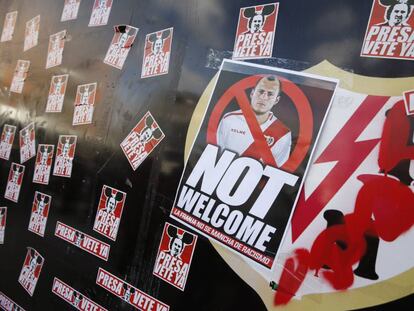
x=281, y=149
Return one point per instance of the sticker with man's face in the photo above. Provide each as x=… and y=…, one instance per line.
x=84, y=104
x=157, y=53
x=32, y=266
x=142, y=140
x=70, y=10
x=27, y=143
x=65, y=153
x=19, y=76
x=3, y=216
x=100, y=13
x=8, y=27
x=6, y=141
x=14, y=182
x=256, y=31
x=389, y=32
x=40, y=212
x=43, y=164
x=174, y=255
x=31, y=35
x=109, y=213
x=120, y=45
x=8, y=304
x=55, y=49
x=57, y=92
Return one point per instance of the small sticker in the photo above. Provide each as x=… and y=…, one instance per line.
x=3, y=216
x=6, y=141
x=73, y=297
x=27, y=143
x=20, y=75
x=129, y=293
x=84, y=104
x=157, y=53
x=65, y=153
x=142, y=140
x=8, y=27
x=40, y=212
x=70, y=10
x=55, y=49
x=14, y=182
x=31, y=35
x=82, y=240
x=43, y=164
x=30, y=273
x=57, y=92
x=121, y=43
x=7, y=304
x=109, y=213
x=174, y=255
x=100, y=13
x=256, y=31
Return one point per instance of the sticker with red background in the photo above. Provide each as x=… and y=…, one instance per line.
x=31, y=35
x=20, y=75
x=121, y=44
x=109, y=213
x=31, y=269
x=55, y=49
x=65, y=154
x=6, y=141
x=7, y=304
x=14, y=182
x=8, y=27
x=256, y=31
x=174, y=255
x=57, y=91
x=43, y=164
x=84, y=104
x=3, y=217
x=390, y=32
x=142, y=140
x=70, y=10
x=157, y=53
x=40, y=212
x=100, y=13
x=129, y=293
x=27, y=142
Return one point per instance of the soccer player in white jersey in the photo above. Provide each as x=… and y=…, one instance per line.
x=234, y=133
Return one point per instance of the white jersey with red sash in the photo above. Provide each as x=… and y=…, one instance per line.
x=234, y=134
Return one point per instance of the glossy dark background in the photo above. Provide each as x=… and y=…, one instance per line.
x=307, y=33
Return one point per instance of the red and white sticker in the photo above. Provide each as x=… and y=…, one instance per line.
x=409, y=102
x=3, y=217
x=6, y=141
x=70, y=10
x=73, y=297
x=65, y=153
x=27, y=142
x=157, y=53
x=55, y=49
x=9, y=305
x=32, y=266
x=142, y=140
x=100, y=13
x=121, y=44
x=57, y=92
x=14, y=182
x=390, y=30
x=8, y=27
x=82, y=240
x=84, y=104
x=129, y=293
x=256, y=31
x=40, y=212
x=43, y=164
x=109, y=213
x=31, y=35
x=174, y=255
x=19, y=76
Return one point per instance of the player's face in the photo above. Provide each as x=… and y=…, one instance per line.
x=256, y=23
x=264, y=96
x=399, y=14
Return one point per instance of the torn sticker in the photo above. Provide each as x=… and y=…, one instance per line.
x=55, y=49
x=20, y=75
x=8, y=27
x=27, y=143
x=121, y=44
x=31, y=35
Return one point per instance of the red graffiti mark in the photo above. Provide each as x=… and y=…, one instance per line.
x=348, y=154
x=383, y=208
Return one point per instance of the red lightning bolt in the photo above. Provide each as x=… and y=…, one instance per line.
x=348, y=153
